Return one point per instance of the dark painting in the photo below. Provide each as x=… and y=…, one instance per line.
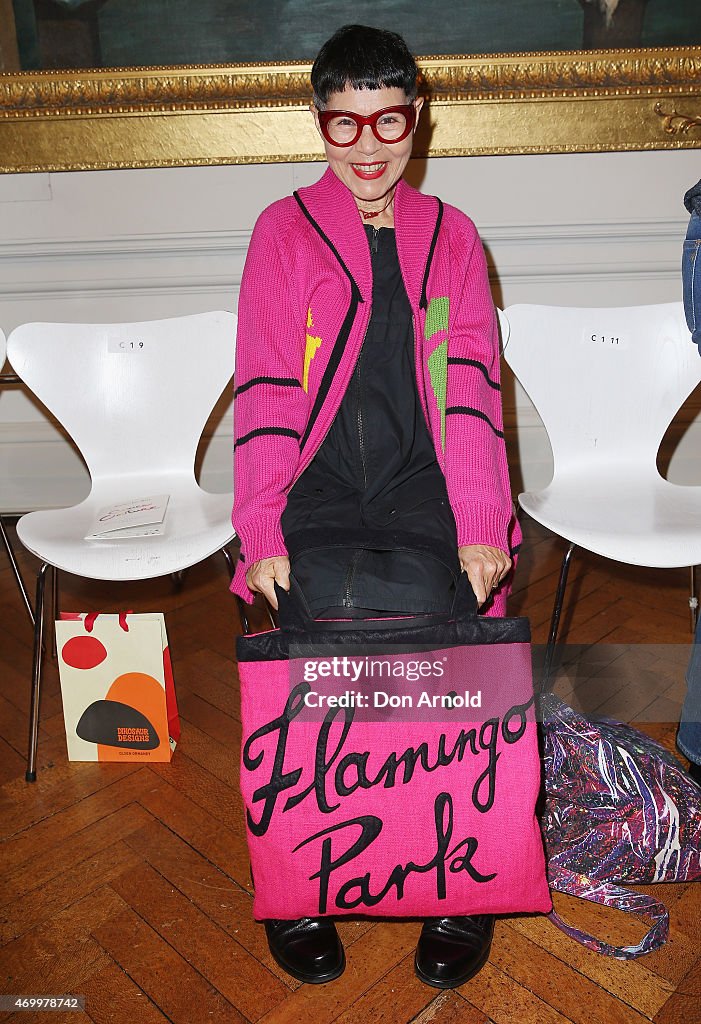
x=72, y=34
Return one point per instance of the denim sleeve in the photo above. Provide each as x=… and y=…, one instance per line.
x=692, y=199
x=691, y=278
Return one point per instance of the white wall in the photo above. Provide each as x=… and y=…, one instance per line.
x=581, y=229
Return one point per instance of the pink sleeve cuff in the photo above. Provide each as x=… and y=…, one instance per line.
x=481, y=523
x=256, y=542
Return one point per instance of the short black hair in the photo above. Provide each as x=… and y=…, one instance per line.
x=363, y=58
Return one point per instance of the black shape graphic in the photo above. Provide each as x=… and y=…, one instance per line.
x=116, y=725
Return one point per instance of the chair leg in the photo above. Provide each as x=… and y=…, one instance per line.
x=245, y=625
x=15, y=569
x=240, y=604
x=555, y=620
x=229, y=562
x=31, y=773
x=693, y=599
x=54, y=610
x=272, y=614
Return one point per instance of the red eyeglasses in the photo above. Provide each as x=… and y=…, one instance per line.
x=344, y=128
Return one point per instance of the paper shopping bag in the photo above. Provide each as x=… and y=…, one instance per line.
x=117, y=687
x=391, y=768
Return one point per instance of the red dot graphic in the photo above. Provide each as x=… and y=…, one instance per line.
x=83, y=652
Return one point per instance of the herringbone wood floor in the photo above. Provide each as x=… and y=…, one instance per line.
x=130, y=884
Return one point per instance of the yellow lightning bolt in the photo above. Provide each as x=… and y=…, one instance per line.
x=310, y=350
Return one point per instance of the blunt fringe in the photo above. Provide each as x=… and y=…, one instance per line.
x=363, y=58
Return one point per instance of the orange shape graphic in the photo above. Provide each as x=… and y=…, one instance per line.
x=143, y=692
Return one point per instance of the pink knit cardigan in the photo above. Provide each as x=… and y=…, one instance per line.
x=304, y=308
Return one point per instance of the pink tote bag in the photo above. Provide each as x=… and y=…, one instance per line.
x=391, y=767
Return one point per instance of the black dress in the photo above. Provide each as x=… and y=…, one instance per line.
x=368, y=525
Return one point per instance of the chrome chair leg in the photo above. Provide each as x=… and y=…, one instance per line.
x=243, y=615
x=693, y=599
x=240, y=603
x=555, y=620
x=231, y=565
x=245, y=625
x=272, y=615
x=15, y=568
x=31, y=772
x=54, y=610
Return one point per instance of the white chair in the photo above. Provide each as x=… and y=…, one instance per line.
x=135, y=398
x=607, y=383
x=12, y=378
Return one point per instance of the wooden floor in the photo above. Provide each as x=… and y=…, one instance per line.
x=130, y=885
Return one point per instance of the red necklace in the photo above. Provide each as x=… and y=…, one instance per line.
x=369, y=214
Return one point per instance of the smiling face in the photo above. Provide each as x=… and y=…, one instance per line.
x=369, y=168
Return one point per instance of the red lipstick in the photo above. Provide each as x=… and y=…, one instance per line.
x=369, y=175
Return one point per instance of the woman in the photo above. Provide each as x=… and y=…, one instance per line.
x=369, y=450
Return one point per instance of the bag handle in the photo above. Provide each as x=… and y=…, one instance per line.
x=295, y=615
x=609, y=895
x=90, y=618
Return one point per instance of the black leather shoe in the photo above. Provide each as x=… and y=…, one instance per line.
x=451, y=950
x=309, y=949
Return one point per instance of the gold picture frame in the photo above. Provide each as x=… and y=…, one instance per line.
x=563, y=102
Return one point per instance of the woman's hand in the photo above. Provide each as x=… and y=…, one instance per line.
x=263, y=574
x=485, y=567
